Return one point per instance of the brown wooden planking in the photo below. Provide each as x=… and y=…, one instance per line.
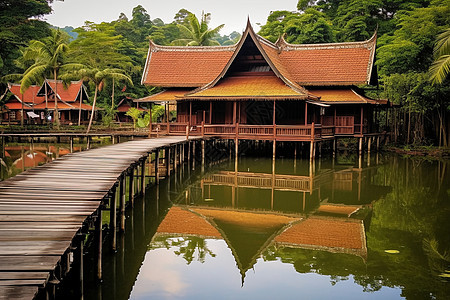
x=42, y=208
x=17, y=292
x=23, y=275
x=28, y=263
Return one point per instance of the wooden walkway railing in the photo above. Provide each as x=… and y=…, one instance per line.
x=344, y=127
x=42, y=209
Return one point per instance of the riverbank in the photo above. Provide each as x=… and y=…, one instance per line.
x=424, y=151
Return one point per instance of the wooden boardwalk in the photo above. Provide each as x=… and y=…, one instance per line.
x=42, y=209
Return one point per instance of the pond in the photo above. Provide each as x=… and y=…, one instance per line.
x=371, y=228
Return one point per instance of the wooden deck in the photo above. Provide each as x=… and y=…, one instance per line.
x=42, y=209
x=304, y=133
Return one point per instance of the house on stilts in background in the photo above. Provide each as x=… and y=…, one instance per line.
x=259, y=90
x=38, y=103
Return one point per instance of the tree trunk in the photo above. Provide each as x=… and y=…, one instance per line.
x=93, y=109
x=56, y=114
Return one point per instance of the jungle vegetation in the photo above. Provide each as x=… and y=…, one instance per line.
x=412, y=57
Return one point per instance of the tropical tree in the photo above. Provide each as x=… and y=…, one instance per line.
x=197, y=32
x=49, y=57
x=134, y=113
x=98, y=77
x=441, y=66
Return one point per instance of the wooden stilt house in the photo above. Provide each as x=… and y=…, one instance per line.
x=257, y=89
x=39, y=103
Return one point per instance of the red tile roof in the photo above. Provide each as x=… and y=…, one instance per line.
x=69, y=93
x=64, y=106
x=182, y=221
x=310, y=64
x=167, y=95
x=326, y=234
x=340, y=96
x=253, y=87
x=169, y=66
x=30, y=94
x=17, y=106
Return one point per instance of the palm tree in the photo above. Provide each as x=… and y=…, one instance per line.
x=49, y=56
x=197, y=33
x=440, y=68
x=98, y=77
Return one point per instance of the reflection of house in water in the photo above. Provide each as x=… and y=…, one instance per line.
x=248, y=233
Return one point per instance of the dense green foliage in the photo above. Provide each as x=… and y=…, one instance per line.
x=407, y=31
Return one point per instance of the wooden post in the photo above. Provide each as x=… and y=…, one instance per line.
x=71, y=144
x=193, y=154
x=369, y=144
x=360, y=148
x=180, y=154
x=311, y=151
x=81, y=262
x=150, y=121
x=157, y=166
x=203, y=155
x=98, y=229
x=190, y=113
x=210, y=112
x=187, y=132
x=88, y=142
x=334, y=146
x=122, y=203
x=175, y=158
x=362, y=119
x=130, y=185
x=142, y=177
x=273, y=114
x=113, y=218
x=203, y=128
x=167, y=160
x=306, y=113
x=234, y=112
x=236, y=156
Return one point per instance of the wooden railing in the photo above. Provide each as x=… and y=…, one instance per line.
x=344, y=125
x=261, y=180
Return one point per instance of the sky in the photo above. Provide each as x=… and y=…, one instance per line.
x=232, y=13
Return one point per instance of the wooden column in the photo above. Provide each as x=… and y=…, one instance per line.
x=234, y=112
x=142, y=177
x=306, y=113
x=369, y=144
x=130, y=185
x=193, y=154
x=122, y=203
x=150, y=121
x=203, y=155
x=98, y=230
x=360, y=147
x=175, y=158
x=362, y=119
x=113, y=218
x=157, y=166
x=81, y=264
x=71, y=144
x=210, y=112
x=190, y=114
x=88, y=142
x=167, y=160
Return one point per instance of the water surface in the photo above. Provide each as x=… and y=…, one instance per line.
x=344, y=228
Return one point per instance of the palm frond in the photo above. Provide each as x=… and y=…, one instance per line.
x=442, y=46
x=440, y=69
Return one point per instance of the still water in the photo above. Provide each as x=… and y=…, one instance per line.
x=344, y=228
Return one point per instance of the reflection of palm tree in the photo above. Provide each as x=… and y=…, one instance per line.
x=438, y=260
x=192, y=248
x=197, y=33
